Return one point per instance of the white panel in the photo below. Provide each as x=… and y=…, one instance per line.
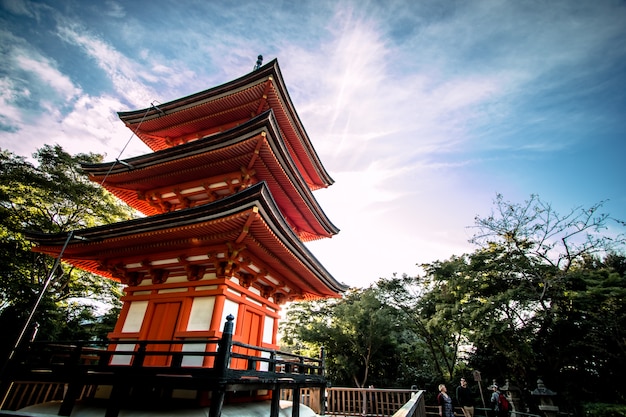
x=134, y=319
x=268, y=330
x=218, y=185
x=171, y=290
x=164, y=261
x=193, y=360
x=197, y=258
x=264, y=366
x=271, y=279
x=122, y=359
x=230, y=290
x=255, y=302
x=201, y=313
x=206, y=287
x=230, y=307
x=191, y=190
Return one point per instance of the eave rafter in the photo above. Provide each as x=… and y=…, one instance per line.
x=192, y=117
x=263, y=100
x=231, y=259
x=202, y=133
x=229, y=265
x=164, y=134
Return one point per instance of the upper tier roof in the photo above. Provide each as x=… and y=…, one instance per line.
x=225, y=106
x=202, y=171
x=245, y=229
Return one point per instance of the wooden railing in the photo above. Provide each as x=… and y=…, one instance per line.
x=149, y=371
x=414, y=408
x=26, y=393
x=367, y=401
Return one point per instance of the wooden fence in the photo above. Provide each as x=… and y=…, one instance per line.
x=365, y=401
x=151, y=372
x=369, y=402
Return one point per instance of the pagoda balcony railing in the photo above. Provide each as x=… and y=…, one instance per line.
x=142, y=370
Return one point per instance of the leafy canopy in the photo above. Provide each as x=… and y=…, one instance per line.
x=52, y=195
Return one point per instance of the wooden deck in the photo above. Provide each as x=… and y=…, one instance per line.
x=151, y=375
x=156, y=374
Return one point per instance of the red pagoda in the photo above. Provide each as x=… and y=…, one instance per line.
x=228, y=204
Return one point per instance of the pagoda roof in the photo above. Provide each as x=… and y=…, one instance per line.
x=219, y=108
x=254, y=147
x=249, y=220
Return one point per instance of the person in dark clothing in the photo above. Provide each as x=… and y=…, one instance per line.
x=465, y=398
x=499, y=405
x=444, y=401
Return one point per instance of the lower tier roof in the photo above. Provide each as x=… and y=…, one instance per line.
x=243, y=234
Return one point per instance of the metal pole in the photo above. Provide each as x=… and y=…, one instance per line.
x=46, y=284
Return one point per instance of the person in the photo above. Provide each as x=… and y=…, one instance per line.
x=465, y=398
x=499, y=410
x=445, y=402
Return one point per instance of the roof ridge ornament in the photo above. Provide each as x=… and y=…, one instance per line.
x=259, y=62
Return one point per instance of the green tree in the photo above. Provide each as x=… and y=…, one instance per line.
x=365, y=342
x=51, y=196
x=436, y=325
x=543, y=296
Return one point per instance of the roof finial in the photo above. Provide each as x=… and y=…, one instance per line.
x=259, y=61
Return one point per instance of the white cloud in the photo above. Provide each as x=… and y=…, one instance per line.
x=115, y=10
x=10, y=114
x=411, y=109
x=48, y=74
x=121, y=71
x=19, y=7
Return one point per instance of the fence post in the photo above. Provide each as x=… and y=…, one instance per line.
x=75, y=381
x=295, y=401
x=320, y=371
x=140, y=355
x=221, y=366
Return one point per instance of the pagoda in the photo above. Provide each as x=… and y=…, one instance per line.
x=226, y=195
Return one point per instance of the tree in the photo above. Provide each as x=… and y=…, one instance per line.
x=418, y=302
x=543, y=296
x=52, y=196
x=364, y=339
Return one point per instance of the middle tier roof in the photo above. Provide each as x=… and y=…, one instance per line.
x=214, y=167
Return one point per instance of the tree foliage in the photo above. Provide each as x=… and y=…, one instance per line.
x=542, y=296
x=51, y=196
x=364, y=340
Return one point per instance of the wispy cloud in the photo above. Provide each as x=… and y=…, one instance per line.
x=125, y=75
x=47, y=74
x=420, y=110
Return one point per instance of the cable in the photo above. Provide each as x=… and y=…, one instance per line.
x=134, y=133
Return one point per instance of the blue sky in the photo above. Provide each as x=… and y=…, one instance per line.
x=420, y=110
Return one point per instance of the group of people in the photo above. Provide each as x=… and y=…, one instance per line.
x=465, y=399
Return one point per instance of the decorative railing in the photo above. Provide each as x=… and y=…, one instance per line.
x=415, y=407
x=366, y=401
x=145, y=371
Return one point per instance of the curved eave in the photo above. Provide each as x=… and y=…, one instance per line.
x=215, y=155
x=232, y=102
x=268, y=237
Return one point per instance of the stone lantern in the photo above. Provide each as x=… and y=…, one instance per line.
x=545, y=399
x=513, y=394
